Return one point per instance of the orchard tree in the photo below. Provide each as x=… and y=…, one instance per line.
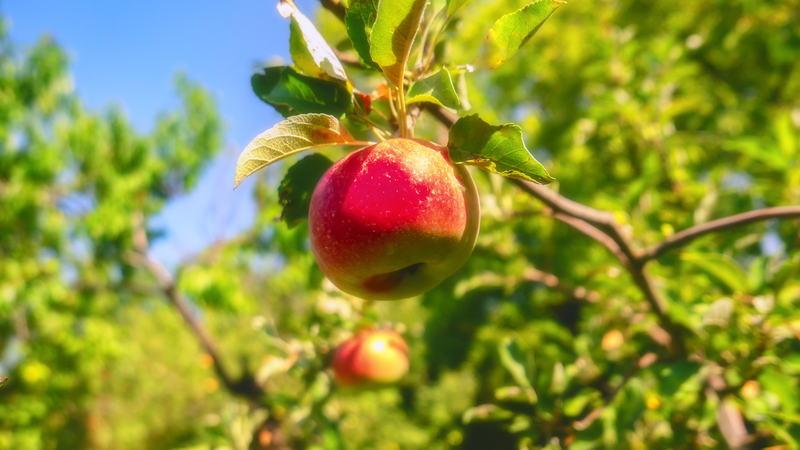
x=633, y=283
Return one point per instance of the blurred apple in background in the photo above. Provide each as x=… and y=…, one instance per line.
x=371, y=358
x=393, y=220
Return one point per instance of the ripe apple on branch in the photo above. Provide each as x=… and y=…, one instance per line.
x=393, y=219
x=370, y=358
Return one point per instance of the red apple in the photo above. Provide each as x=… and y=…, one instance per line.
x=371, y=358
x=393, y=220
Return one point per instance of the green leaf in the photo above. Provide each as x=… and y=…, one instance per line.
x=513, y=30
x=760, y=150
x=677, y=377
x=358, y=20
x=559, y=382
x=396, y=26
x=310, y=52
x=784, y=387
x=296, y=188
x=573, y=406
x=290, y=137
x=454, y=5
x=498, y=149
x=507, y=350
x=437, y=89
x=723, y=268
x=291, y=93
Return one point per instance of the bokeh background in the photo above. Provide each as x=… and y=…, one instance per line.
x=120, y=125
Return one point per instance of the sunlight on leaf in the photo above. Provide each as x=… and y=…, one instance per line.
x=310, y=52
x=508, y=357
x=437, y=89
x=454, y=5
x=513, y=30
x=395, y=28
x=290, y=137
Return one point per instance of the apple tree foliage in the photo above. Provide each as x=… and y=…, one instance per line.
x=642, y=300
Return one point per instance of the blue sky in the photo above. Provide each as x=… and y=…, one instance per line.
x=128, y=52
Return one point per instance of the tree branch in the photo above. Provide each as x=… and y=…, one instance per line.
x=602, y=227
x=593, y=233
x=246, y=386
x=552, y=281
x=688, y=235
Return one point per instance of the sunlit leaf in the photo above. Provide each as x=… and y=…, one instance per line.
x=513, y=30
x=437, y=89
x=358, y=20
x=292, y=93
x=760, y=150
x=310, y=52
x=295, y=191
x=723, y=268
x=784, y=387
x=396, y=26
x=290, y=137
x=676, y=377
x=508, y=350
x=574, y=405
x=559, y=381
x=454, y=5
x=498, y=149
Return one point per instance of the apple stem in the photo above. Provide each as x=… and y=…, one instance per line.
x=401, y=111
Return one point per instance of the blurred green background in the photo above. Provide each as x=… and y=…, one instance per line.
x=667, y=114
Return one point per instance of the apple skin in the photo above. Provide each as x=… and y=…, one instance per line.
x=393, y=220
x=371, y=358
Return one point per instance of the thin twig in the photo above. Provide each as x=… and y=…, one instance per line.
x=552, y=281
x=347, y=59
x=688, y=235
x=595, y=234
x=246, y=386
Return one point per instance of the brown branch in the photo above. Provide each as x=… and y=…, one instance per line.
x=552, y=281
x=602, y=227
x=593, y=233
x=688, y=235
x=348, y=59
x=246, y=386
